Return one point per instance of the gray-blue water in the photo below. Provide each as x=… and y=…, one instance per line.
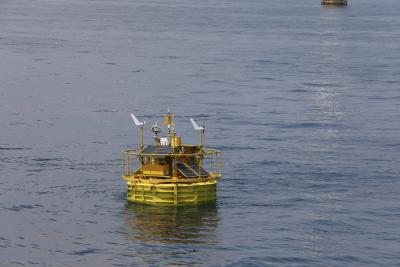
x=303, y=100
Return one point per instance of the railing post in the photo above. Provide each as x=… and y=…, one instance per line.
x=129, y=163
x=123, y=163
x=220, y=164
x=211, y=163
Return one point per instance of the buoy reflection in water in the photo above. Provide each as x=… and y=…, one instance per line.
x=179, y=225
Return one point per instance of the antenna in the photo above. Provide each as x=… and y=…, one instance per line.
x=168, y=122
x=140, y=125
x=198, y=128
x=136, y=121
x=201, y=130
x=195, y=125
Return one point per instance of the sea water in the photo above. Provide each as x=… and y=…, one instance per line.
x=304, y=101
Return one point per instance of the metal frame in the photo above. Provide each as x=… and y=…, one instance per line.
x=131, y=158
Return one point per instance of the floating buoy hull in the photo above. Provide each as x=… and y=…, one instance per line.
x=172, y=194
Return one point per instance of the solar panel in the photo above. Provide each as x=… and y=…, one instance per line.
x=161, y=150
x=186, y=171
x=197, y=169
x=192, y=169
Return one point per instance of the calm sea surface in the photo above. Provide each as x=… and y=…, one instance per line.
x=303, y=100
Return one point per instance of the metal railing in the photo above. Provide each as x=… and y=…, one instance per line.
x=209, y=158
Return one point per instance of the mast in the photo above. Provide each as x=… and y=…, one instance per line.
x=140, y=125
x=201, y=130
x=168, y=122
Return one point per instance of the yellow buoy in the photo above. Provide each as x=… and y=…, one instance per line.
x=169, y=172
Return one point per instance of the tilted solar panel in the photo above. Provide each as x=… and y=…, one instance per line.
x=162, y=150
